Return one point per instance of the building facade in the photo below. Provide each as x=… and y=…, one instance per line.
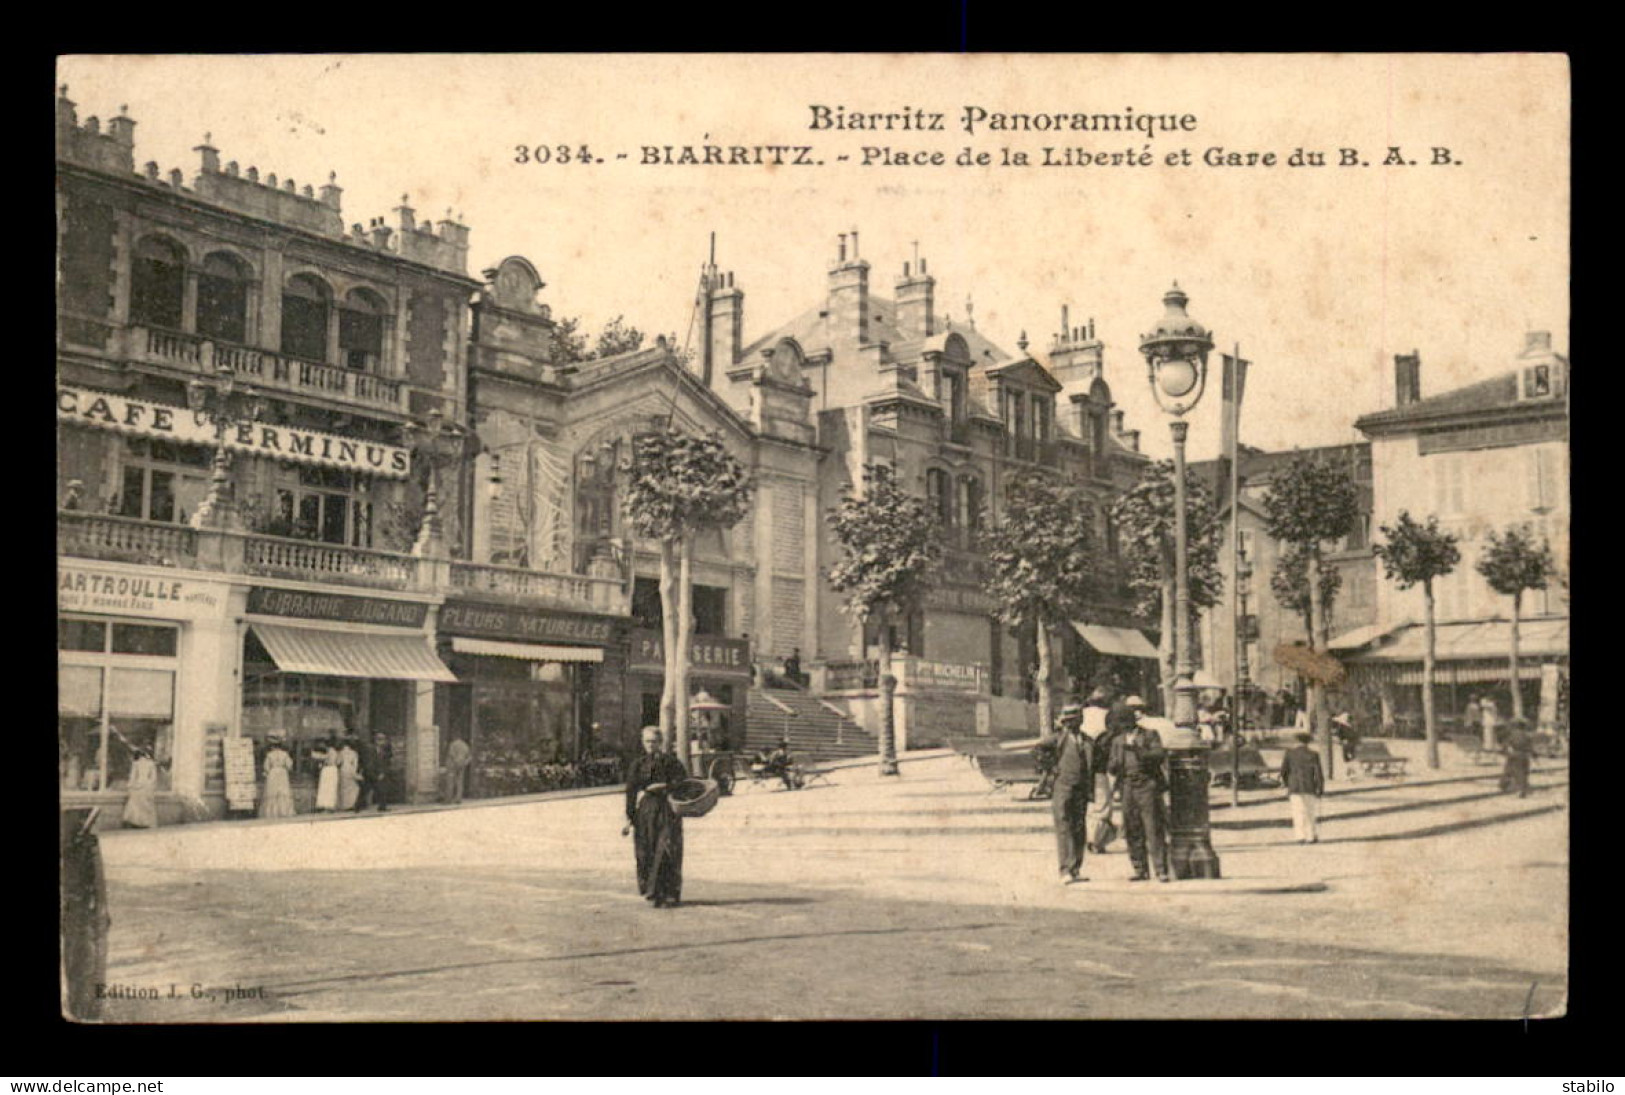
x=1481, y=458
x=1271, y=624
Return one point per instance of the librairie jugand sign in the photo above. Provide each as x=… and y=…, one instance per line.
x=182, y=424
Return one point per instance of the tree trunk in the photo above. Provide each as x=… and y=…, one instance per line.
x=888, y=695
x=1165, y=647
x=1319, y=723
x=1046, y=702
x=685, y=636
x=1517, y=689
x=1427, y=678
x=668, y=643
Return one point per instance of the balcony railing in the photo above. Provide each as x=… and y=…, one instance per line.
x=576, y=590
x=101, y=536
x=276, y=555
x=127, y=539
x=263, y=368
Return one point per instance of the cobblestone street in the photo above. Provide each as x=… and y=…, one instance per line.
x=923, y=897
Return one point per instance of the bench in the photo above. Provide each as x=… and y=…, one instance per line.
x=1473, y=747
x=1252, y=770
x=812, y=773
x=1011, y=769
x=1374, y=758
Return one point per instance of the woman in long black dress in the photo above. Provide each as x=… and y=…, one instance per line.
x=657, y=831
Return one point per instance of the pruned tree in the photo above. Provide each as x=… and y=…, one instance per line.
x=1416, y=554
x=679, y=485
x=1513, y=562
x=1145, y=522
x=1309, y=503
x=892, y=546
x=571, y=343
x=1042, y=564
x=617, y=337
x=1289, y=581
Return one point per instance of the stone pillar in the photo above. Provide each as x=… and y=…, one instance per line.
x=209, y=693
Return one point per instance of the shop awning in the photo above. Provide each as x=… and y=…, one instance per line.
x=335, y=653
x=1124, y=642
x=1472, y=640
x=530, y=652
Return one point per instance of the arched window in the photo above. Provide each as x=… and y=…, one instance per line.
x=970, y=502
x=222, y=297
x=305, y=304
x=361, y=331
x=157, y=283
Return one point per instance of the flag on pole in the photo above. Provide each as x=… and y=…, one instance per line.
x=1235, y=383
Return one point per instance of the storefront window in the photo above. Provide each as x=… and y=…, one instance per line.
x=525, y=720
x=115, y=695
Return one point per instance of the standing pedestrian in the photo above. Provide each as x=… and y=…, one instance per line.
x=1074, y=785
x=458, y=755
x=1520, y=751
x=1137, y=766
x=1347, y=735
x=1096, y=727
x=657, y=830
x=277, y=801
x=1305, y=783
x=383, y=779
x=141, y=804
x=349, y=772
x=326, y=754
x=1472, y=716
x=1491, y=717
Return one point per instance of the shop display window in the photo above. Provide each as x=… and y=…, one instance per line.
x=115, y=695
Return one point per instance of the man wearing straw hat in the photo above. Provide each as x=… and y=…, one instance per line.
x=657, y=830
x=1074, y=785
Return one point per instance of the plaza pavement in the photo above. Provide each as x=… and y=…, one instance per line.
x=920, y=896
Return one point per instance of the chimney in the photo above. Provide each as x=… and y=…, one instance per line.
x=916, y=299
x=407, y=215
x=849, y=296
x=1076, y=357
x=210, y=155
x=1537, y=342
x=67, y=118
x=1407, y=378
x=380, y=234
x=332, y=191
x=726, y=311
x=122, y=129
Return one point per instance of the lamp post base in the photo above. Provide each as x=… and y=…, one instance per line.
x=1190, y=843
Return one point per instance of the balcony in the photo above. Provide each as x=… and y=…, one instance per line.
x=578, y=591
x=262, y=368
x=313, y=561
x=125, y=539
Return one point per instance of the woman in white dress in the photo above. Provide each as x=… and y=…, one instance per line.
x=141, y=807
x=327, y=784
x=349, y=775
x=278, y=798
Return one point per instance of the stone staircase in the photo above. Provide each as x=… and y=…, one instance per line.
x=815, y=731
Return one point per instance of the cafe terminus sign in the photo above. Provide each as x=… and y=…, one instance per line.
x=183, y=425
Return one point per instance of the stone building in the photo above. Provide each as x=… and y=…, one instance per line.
x=1271, y=623
x=861, y=379
x=1481, y=458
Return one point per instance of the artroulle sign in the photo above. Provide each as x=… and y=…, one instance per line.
x=181, y=424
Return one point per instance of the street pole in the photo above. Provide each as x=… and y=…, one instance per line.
x=1184, y=671
x=1243, y=683
x=1233, y=409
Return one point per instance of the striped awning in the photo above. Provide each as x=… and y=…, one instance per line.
x=335, y=653
x=1124, y=642
x=1471, y=640
x=530, y=652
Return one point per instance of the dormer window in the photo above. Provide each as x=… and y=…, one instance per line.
x=953, y=383
x=1537, y=382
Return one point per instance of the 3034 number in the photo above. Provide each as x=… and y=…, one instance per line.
x=561, y=153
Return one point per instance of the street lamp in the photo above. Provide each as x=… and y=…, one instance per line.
x=225, y=403
x=436, y=442
x=1176, y=352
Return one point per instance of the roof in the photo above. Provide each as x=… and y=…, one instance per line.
x=1497, y=393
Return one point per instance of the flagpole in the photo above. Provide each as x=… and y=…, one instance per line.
x=1239, y=632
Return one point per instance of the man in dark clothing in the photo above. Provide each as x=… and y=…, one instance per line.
x=1074, y=785
x=657, y=830
x=375, y=765
x=1520, y=751
x=1305, y=783
x=1136, y=764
